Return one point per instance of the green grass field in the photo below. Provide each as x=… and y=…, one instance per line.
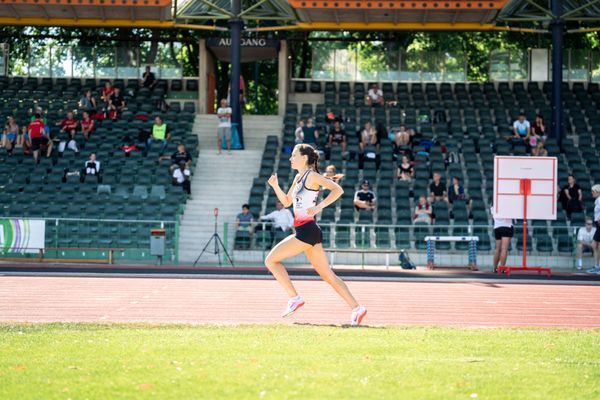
x=82, y=361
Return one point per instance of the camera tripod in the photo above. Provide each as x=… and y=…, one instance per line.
x=218, y=243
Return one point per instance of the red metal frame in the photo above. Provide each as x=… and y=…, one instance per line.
x=525, y=189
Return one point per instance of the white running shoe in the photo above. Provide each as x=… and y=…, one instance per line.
x=293, y=304
x=595, y=270
x=357, y=315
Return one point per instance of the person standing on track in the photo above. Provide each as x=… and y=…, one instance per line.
x=503, y=233
x=596, y=240
x=303, y=195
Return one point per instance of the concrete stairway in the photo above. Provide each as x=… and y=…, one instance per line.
x=222, y=181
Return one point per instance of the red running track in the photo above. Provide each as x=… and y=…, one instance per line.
x=233, y=301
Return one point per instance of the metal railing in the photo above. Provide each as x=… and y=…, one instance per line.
x=360, y=243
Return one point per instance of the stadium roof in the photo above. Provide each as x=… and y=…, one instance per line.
x=110, y=13
x=266, y=15
x=578, y=15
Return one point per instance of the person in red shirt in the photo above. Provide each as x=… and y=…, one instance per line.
x=87, y=125
x=38, y=137
x=69, y=127
x=107, y=91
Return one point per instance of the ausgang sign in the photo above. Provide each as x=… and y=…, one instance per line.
x=246, y=42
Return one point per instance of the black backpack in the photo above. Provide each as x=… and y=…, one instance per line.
x=405, y=261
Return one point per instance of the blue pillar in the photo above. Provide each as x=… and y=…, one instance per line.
x=557, y=72
x=236, y=25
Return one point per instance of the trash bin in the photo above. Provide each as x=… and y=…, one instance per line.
x=157, y=243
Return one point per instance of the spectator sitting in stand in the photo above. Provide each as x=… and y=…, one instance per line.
x=330, y=172
x=405, y=170
x=365, y=198
x=585, y=236
x=437, y=189
x=375, y=96
x=521, y=131
x=107, y=92
x=282, y=218
x=310, y=133
x=10, y=134
x=369, y=145
x=298, y=134
x=87, y=125
x=148, y=78
x=401, y=142
x=337, y=136
x=88, y=102
x=116, y=104
x=91, y=167
x=539, y=150
x=423, y=212
x=456, y=192
x=244, y=220
x=68, y=129
x=181, y=177
x=160, y=133
x=539, y=127
x=39, y=138
x=571, y=196
x=181, y=155
x=23, y=139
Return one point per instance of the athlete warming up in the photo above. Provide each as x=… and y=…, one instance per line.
x=308, y=238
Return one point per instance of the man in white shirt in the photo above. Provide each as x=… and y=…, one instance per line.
x=585, y=237
x=521, y=130
x=282, y=218
x=181, y=177
x=375, y=96
x=596, y=238
x=224, y=129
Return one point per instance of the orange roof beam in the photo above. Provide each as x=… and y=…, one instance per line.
x=432, y=5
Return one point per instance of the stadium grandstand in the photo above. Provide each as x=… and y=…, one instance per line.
x=419, y=104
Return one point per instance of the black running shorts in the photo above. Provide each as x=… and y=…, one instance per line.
x=38, y=142
x=504, y=231
x=597, y=234
x=309, y=233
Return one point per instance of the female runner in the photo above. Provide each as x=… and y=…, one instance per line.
x=308, y=238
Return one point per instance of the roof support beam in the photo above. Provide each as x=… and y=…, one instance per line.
x=247, y=10
x=44, y=12
x=581, y=8
x=14, y=11
x=216, y=7
x=542, y=9
x=455, y=16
